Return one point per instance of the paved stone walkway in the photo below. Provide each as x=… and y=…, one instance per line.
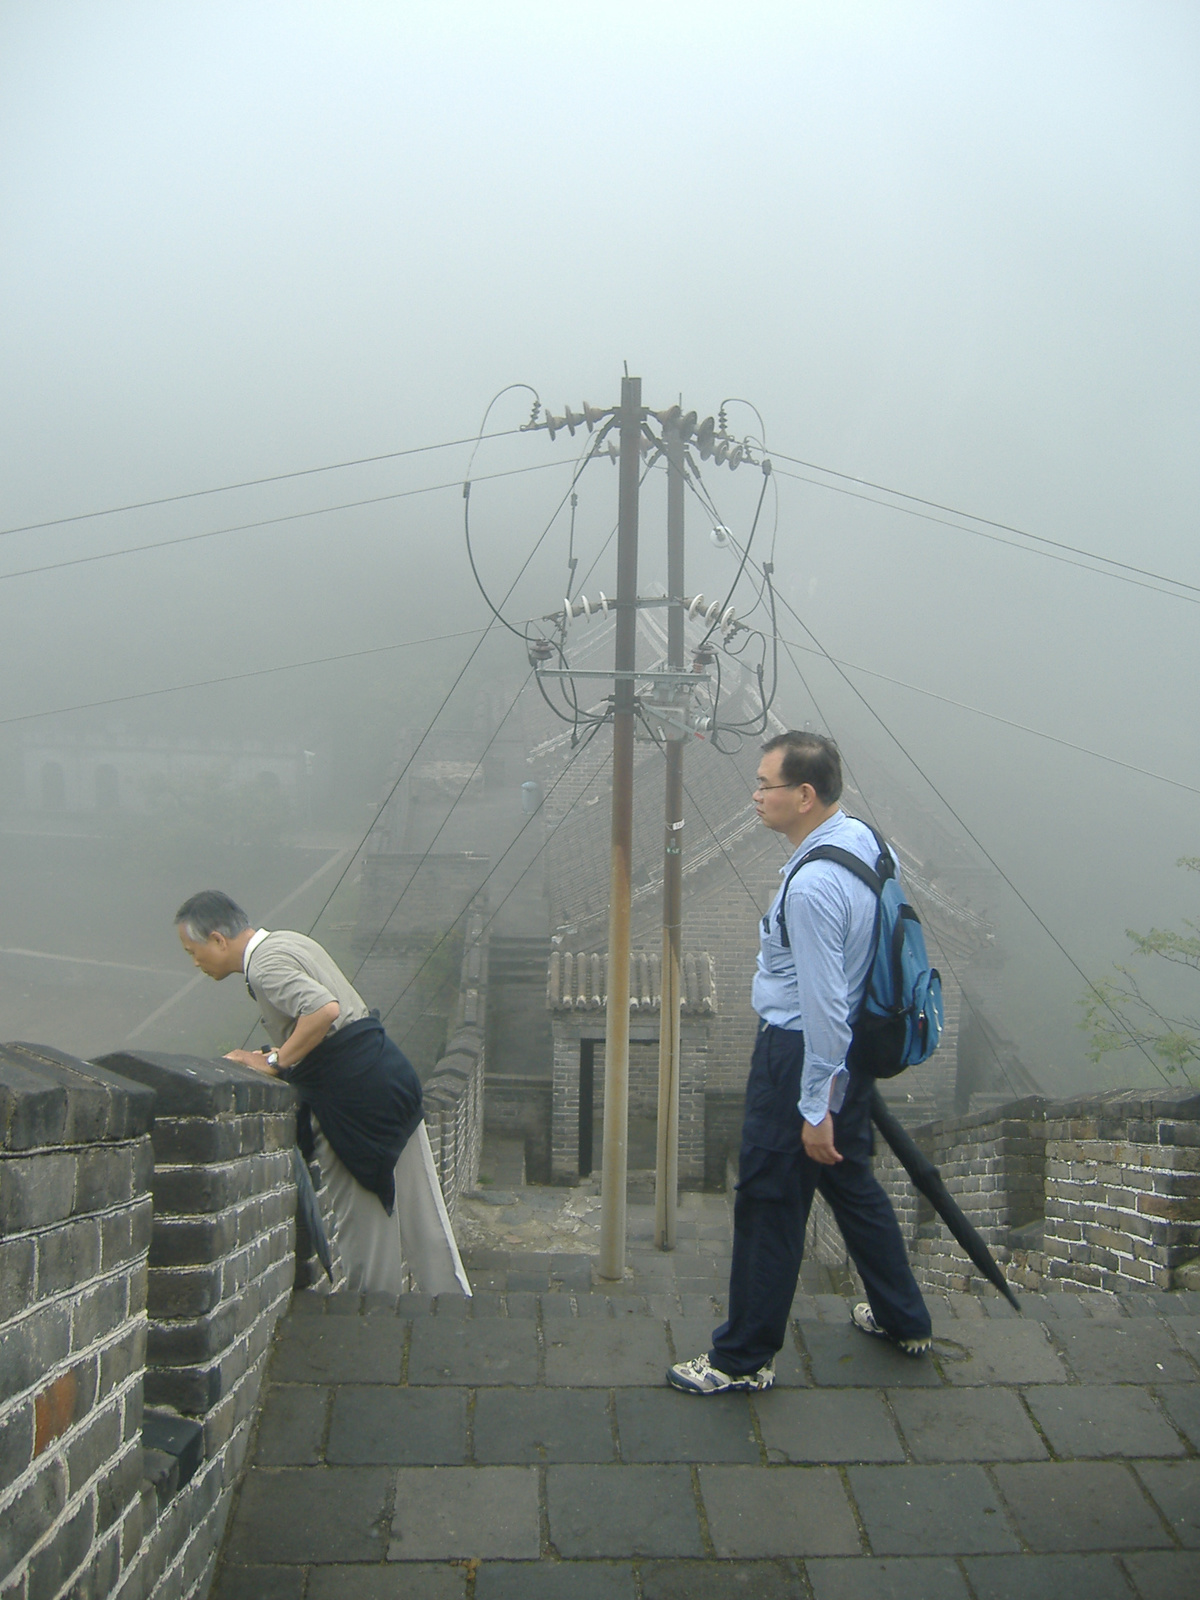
x=525, y=1447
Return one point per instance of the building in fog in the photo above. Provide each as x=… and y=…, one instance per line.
x=109, y=772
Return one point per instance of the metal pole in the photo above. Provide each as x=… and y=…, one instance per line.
x=616, y=1021
x=666, y=1177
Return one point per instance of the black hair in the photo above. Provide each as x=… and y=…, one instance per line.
x=810, y=758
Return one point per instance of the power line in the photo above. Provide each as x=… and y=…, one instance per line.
x=1049, y=555
x=537, y=544
x=268, y=522
x=980, y=846
x=1005, y=527
x=495, y=867
x=706, y=500
x=428, y=851
x=993, y=716
x=240, y=677
x=249, y=483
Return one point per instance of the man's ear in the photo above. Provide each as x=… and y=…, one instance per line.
x=806, y=796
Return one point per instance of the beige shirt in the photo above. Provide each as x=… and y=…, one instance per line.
x=291, y=976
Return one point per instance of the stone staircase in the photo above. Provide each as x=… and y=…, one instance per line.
x=523, y=1445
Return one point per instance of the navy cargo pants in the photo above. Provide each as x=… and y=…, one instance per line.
x=775, y=1188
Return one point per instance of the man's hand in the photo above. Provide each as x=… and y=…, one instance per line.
x=252, y=1058
x=818, y=1141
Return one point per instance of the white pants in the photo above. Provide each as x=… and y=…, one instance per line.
x=379, y=1251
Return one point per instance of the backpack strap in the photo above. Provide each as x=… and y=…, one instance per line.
x=885, y=868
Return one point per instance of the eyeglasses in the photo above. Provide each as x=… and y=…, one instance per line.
x=761, y=788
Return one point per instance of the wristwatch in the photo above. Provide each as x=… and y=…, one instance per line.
x=273, y=1060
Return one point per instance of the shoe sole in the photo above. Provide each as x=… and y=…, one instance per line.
x=896, y=1344
x=729, y=1388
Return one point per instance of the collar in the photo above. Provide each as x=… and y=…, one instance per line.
x=816, y=837
x=251, y=946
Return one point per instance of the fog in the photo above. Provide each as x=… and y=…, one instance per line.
x=949, y=249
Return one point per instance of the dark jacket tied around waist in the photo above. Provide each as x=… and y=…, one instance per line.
x=367, y=1098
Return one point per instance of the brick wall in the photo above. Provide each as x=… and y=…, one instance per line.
x=75, y=1164
x=1122, y=1190
x=221, y=1267
x=1101, y=1192
x=993, y=1165
x=454, y=1093
x=694, y=1055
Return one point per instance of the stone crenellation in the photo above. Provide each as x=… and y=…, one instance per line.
x=1100, y=1192
x=149, y=1243
x=75, y=1212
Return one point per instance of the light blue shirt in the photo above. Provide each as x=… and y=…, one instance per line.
x=816, y=987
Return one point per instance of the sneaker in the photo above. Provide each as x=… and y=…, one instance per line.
x=863, y=1319
x=701, y=1377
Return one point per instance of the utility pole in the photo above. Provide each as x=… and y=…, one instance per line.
x=616, y=1020
x=669, y=702
x=666, y=1175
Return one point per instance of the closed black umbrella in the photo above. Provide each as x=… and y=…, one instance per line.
x=310, y=1211
x=928, y=1180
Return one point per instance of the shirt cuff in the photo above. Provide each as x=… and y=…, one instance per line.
x=823, y=1089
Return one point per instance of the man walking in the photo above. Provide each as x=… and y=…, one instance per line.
x=360, y=1097
x=807, y=1122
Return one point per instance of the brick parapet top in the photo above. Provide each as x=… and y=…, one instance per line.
x=48, y=1098
x=1116, y=1106
x=195, y=1086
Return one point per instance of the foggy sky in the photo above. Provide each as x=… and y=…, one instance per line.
x=946, y=247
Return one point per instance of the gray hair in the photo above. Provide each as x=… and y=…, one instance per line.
x=211, y=912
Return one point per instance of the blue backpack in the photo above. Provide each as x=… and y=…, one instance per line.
x=900, y=1020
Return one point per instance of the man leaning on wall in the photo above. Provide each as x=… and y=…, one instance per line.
x=360, y=1096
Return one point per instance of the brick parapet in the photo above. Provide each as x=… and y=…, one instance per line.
x=75, y=1164
x=1122, y=1190
x=222, y=1264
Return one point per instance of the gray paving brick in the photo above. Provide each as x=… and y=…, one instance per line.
x=258, y=1583
x=517, y=1425
x=663, y=1425
x=1101, y=1420
x=520, y=1282
x=522, y=1303
x=554, y=1580
x=816, y=1425
x=1165, y=1575
x=557, y=1308
x=401, y=1427
x=594, y=1306
x=1046, y=1578
x=1079, y=1505
x=778, y=1511
x=413, y=1581
x=1135, y=1350
x=457, y=1513
x=967, y=1425
x=300, y=1514
x=896, y=1578
x=474, y=1353
x=1181, y=1402
x=1000, y=1352
x=946, y=1510
x=291, y=1426
x=1187, y=1331
x=606, y=1353
x=598, y=1512
x=692, y=1336
x=338, y=1350
x=841, y=1356
x=721, y=1580
x=1175, y=1489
